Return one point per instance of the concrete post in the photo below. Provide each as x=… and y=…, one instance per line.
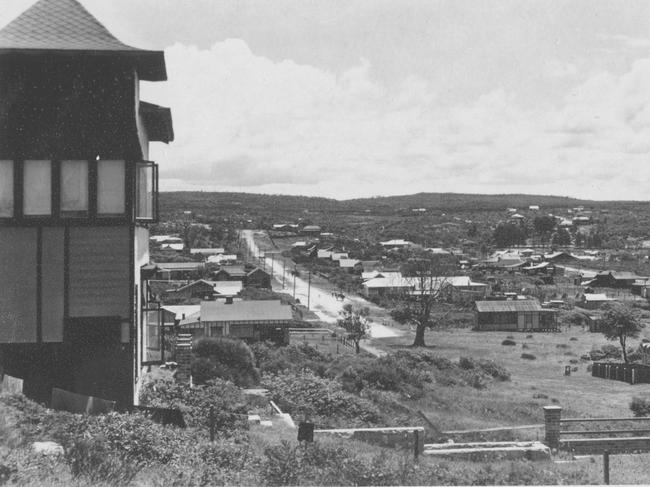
x=552, y=417
x=184, y=357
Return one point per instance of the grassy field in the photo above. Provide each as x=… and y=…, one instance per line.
x=534, y=383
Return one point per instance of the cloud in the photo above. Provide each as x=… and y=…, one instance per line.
x=628, y=42
x=554, y=68
x=245, y=122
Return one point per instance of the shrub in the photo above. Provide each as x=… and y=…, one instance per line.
x=524, y=346
x=573, y=339
x=529, y=336
x=508, y=342
x=224, y=358
x=195, y=403
x=611, y=351
x=562, y=345
x=640, y=406
x=528, y=356
x=93, y=460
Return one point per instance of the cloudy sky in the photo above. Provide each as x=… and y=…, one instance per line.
x=347, y=98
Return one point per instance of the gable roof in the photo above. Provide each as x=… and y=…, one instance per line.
x=509, y=306
x=66, y=26
x=219, y=311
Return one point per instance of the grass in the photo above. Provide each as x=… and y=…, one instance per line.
x=514, y=402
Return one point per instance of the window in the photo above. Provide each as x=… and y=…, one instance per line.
x=146, y=180
x=6, y=189
x=74, y=188
x=37, y=188
x=110, y=187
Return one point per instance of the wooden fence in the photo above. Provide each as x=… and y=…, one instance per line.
x=596, y=435
x=630, y=373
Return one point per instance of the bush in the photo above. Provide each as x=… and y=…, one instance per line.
x=529, y=336
x=528, y=356
x=93, y=460
x=508, y=342
x=611, y=351
x=224, y=358
x=273, y=359
x=230, y=411
x=640, y=406
x=562, y=345
x=573, y=339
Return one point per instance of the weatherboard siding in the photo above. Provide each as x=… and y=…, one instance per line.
x=99, y=272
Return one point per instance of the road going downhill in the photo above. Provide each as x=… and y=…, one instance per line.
x=321, y=301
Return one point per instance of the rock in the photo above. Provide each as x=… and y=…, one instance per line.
x=48, y=448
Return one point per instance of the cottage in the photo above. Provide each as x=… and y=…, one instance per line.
x=614, y=279
x=311, y=230
x=560, y=258
x=248, y=320
x=351, y=265
x=77, y=192
x=521, y=315
x=593, y=300
x=179, y=270
x=207, y=252
x=396, y=243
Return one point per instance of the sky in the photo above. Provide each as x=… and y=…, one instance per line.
x=357, y=98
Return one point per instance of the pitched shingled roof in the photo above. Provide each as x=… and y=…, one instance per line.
x=65, y=25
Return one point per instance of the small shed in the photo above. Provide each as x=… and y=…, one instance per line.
x=520, y=315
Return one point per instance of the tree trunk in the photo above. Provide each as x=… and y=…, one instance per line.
x=621, y=339
x=356, y=346
x=419, y=336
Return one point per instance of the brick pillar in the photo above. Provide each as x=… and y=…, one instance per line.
x=552, y=417
x=184, y=357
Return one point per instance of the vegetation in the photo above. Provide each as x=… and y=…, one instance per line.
x=226, y=359
x=620, y=322
x=355, y=323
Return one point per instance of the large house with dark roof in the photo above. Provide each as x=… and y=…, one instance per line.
x=77, y=190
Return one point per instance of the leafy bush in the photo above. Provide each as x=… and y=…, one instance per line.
x=508, y=342
x=528, y=356
x=223, y=397
x=273, y=359
x=573, y=339
x=93, y=460
x=611, y=351
x=224, y=358
x=324, y=399
x=640, y=406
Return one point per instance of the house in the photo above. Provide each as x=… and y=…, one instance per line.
x=324, y=253
x=207, y=252
x=614, y=279
x=311, y=230
x=169, y=243
x=337, y=255
x=222, y=259
x=258, y=278
x=641, y=287
x=230, y=273
x=351, y=265
x=593, y=300
x=514, y=315
x=533, y=207
x=203, y=289
x=560, y=258
x=251, y=277
x=179, y=270
x=396, y=243
x=247, y=320
x=77, y=192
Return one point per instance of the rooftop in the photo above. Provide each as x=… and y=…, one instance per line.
x=509, y=306
x=219, y=311
x=66, y=26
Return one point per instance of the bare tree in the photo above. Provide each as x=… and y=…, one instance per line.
x=355, y=322
x=430, y=286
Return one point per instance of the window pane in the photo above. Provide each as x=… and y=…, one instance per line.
x=6, y=188
x=144, y=186
x=37, y=188
x=110, y=187
x=74, y=186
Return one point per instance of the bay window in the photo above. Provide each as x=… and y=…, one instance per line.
x=146, y=189
x=74, y=188
x=6, y=189
x=37, y=188
x=110, y=187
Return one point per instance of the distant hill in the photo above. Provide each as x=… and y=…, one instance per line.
x=211, y=202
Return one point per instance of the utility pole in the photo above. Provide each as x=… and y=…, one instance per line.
x=309, y=288
x=284, y=271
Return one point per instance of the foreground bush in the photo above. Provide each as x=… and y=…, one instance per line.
x=323, y=399
x=224, y=358
x=640, y=406
x=225, y=398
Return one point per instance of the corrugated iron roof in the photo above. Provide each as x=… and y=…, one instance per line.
x=509, y=306
x=65, y=25
x=216, y=311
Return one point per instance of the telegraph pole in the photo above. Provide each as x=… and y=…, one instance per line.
x=284, y=271
x=309, y=288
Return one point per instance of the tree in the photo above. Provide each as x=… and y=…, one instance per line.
x=506, y=234
x=355, y=322
x=620, y=322
x=561, y=237
x=429, y=275
x=543, y=225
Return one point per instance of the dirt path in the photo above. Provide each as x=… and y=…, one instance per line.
x=321, y=299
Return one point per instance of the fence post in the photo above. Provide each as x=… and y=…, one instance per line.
x=552, y=417
x=606, y=466
x=416, y=446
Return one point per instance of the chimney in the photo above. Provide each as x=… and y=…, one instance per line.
x=184, y=357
